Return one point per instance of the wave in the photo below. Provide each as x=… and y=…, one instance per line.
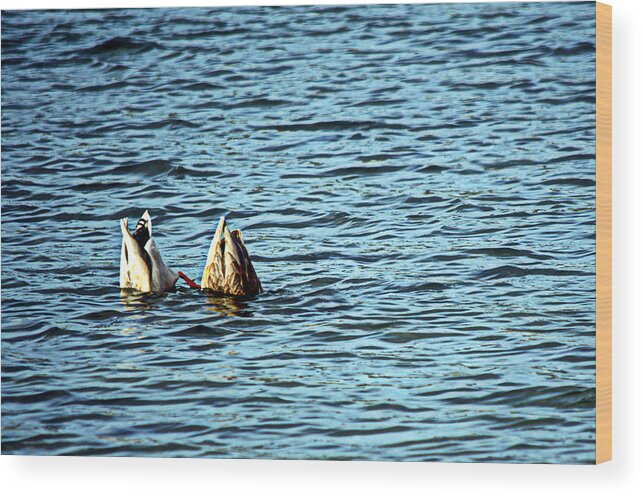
x=120, y=44
x=339, y=125
x=509, y=271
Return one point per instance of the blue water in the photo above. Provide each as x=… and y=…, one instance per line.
x=416, y=188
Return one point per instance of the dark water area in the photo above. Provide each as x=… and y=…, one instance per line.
x=416, y=188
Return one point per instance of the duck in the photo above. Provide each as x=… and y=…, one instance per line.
x=142, y=266
x=228, y=269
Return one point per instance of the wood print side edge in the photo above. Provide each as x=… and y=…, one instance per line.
x=603, y=232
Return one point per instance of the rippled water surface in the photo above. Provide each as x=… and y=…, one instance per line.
x=416, y=188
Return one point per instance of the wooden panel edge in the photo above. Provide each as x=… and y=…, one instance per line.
x=603, y=232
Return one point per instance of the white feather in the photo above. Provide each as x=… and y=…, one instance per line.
x=135, y=272
x=162, y=277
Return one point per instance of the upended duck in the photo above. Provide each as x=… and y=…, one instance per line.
x=228, y=269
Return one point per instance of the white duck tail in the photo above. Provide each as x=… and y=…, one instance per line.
x=142, y=266
x=228, y=269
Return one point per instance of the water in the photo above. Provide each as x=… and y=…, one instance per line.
x=416, y=188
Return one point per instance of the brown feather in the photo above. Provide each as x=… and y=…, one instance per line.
x=228, y=268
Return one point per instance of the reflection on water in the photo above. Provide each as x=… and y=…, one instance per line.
x=227, y=306
x=135, y=300
x=416, y=187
